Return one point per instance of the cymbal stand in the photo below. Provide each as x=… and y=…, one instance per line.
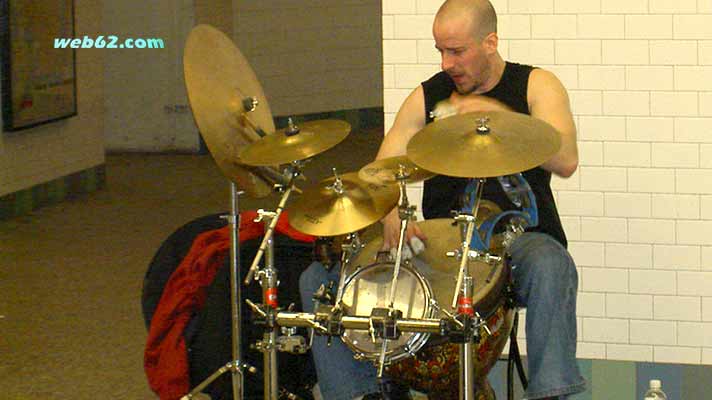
x=294, y=171
x=237, y=365
x=269, y=282
x=406, y=212
x=462, y=299
x=349, y=249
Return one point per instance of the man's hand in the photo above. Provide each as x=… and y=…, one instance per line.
x=414, y=237
x=474, y=102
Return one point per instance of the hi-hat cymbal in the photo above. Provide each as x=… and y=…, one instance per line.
x=221, y=85
x=484, y=144
x=296, y=142
x=385, y=171
x=329, y=210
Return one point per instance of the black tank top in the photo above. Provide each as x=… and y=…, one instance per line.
x=442, y=194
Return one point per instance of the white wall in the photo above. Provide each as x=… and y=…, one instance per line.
x=47, y=152
x=145, y=98
x=313, y=55
x=638, y=212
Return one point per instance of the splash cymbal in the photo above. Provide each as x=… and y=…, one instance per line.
x=385, y=171
x=296, y=142
x=339, y=206
x=484, y=144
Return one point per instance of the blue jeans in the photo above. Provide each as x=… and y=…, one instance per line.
x=545, y=282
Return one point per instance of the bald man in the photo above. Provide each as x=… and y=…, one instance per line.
x=474, y=77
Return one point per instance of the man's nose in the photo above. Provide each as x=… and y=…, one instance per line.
x=446, y=62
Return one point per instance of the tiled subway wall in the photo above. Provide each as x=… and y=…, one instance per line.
x=638, y=212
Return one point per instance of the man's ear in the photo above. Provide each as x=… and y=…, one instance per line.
x=490, y=43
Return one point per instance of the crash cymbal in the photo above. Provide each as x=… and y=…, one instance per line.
x=296, y=142
x=484, y=144
x=384, y=171
x=329, y=210
x=221, y=85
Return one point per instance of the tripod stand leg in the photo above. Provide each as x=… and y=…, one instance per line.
x=236, y=366
x=235, y=293
x=229, y=367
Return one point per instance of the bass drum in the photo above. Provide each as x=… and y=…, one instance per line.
x=424, y=362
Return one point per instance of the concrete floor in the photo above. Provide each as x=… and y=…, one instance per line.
x=71, y=274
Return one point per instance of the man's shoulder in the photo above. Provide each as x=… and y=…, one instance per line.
x=439, y=79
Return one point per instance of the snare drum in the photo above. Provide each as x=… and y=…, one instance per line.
x=369, y=288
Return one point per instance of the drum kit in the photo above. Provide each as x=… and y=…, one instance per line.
x=391, y=311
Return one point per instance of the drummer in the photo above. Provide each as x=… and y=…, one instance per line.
x=474, y=77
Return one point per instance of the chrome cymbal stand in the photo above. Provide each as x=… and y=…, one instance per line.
x=462, y=299
x=406, y=212
x=268, y=280
x=237, y=366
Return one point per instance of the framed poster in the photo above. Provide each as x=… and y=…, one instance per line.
x=38, y=80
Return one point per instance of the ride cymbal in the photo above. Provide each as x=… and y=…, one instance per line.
x=296, y=142
x=484, y=144
x=222, y=88
x=337, y=206
x=385, y=171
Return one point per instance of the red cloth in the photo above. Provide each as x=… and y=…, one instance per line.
x=165, y=356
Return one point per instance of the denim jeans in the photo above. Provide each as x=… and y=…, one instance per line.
x=545, y=282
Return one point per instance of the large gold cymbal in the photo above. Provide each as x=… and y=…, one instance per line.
x=220, y=82
x=509, y=143
x=385, y=171
x=326, y=210
x=310, y=139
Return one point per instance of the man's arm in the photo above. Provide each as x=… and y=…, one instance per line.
x=409, y=121
x=549, y=102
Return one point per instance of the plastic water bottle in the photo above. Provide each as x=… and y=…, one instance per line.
x=656, y=391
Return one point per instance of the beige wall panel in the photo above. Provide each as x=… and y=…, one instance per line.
x=50, y=151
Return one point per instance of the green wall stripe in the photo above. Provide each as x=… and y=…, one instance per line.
x=586, y=367
x=669, y=374
x=696, y=382
x=613, y=379
x=52, y=192
x=23, y=202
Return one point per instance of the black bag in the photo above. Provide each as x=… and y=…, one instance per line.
x=208, y=335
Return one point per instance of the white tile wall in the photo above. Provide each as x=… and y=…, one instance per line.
x=638, y=212
x=653, y=332
x=638, y=306
x=676, y=257
x=676, y=354
x=648, y=129
x=629, y=352
x=629, y=255
x=673, y=7
x=624, y=7
x=707, y=309
x=603, y=179
x=677, y=308
x=587, y=254
x=653, y=282
x=605, y=330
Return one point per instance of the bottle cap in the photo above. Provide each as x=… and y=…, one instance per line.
x=655, y=384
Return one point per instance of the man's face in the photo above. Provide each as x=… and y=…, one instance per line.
x=463, y=57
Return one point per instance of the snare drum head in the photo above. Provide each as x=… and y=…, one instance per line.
x=369, y=288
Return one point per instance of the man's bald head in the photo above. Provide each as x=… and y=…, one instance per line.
x=480, y=13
